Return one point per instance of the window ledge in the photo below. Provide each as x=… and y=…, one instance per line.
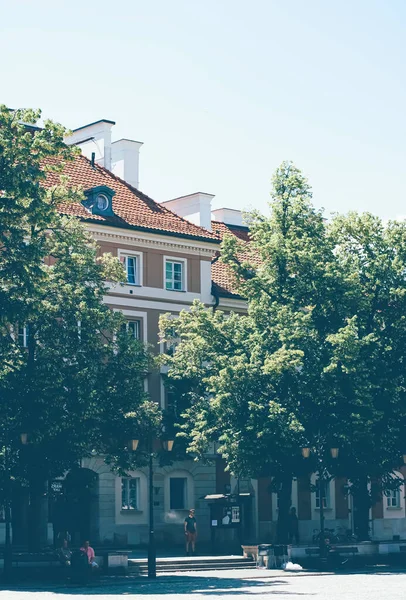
x=394, y=508
x=130, y=511
x=132, y=284
x=325, y=510
x=178, y=291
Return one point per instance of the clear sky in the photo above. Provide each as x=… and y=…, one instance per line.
x=221, y=91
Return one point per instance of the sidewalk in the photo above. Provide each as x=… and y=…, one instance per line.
x=174, y=579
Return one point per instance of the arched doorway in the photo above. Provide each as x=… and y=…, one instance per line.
x=76, y=510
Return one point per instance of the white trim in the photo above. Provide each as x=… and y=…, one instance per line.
x=128, y=312
x=132, y=517
x=162, y=394
x=180, y=261
x=139, y=264
x=233, y=303
x=161, y=306
x=152, y=292
x=173, y=515
x=205, y=281
x=157, y=240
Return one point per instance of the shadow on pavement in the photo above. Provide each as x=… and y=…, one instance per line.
x=205, y=586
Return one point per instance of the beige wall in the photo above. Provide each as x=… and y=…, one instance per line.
x=152, y=322
x=153, y=264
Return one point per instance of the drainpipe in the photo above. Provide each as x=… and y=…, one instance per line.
x=213, y=286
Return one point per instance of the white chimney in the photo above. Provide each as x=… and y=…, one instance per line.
x=196, y=208
x=95, y=137
x=230, y=216
x=125, y=160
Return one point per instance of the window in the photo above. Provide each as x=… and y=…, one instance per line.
x=132, y=267
x=392, y=498
x=23, y=336
x=326, y=495
x=174, y=275
x=130, y=493
x=177, y=491
x=133, y=328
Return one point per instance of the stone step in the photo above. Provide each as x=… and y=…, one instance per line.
x=193, y=564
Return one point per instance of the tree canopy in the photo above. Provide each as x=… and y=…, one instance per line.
x=69, y=376
x=317, y=360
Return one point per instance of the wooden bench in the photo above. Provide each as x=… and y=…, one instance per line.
x=36, y=559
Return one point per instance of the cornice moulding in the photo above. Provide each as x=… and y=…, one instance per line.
x=137, y=239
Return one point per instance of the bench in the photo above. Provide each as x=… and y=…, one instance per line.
x=344, y=550
x=35, y=560
x=312, y=551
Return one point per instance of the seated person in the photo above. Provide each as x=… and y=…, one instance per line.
x=88, y=550
x=64, y=554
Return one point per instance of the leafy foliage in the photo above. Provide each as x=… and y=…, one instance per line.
x=74, y=382
x=320, y=353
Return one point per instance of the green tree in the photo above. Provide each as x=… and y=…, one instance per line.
x=300, y=366
x=69, y=376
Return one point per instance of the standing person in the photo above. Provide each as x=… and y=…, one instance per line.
x=293, y=526
x=190, y=531
x=88, y=550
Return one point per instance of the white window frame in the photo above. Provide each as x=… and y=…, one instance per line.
x=123, y=255
x=125, y=482
x=189, y=494
x=393, y=496
x=183, y=262
x=327, y=495
x=25, y=335
x=139, y=325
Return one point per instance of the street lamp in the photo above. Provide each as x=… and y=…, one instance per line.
x=168, y=445
x=8, y=550
x=321, y=482
x=134, y=445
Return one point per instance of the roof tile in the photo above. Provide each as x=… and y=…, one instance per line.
x=132, y=208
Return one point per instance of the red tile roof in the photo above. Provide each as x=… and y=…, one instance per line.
x=224, y=281
x=132, y=208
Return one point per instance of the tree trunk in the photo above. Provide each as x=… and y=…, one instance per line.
x=19, y=515
x=362, y=505
x=284, y=504
x=38, y=535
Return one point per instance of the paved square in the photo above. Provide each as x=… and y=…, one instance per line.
x=231, y=586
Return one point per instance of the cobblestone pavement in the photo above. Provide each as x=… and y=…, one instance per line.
x=233, y=585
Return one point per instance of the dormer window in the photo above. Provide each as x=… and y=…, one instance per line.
x=99, y=201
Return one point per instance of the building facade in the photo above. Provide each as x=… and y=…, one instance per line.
x=170, y=251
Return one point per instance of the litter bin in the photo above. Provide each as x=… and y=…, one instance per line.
x=80, y=567
x=265, y=559
x=281, y=554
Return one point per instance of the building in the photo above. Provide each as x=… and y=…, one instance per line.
x=167, y=251
x=170, y=254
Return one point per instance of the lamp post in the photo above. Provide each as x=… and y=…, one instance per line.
x=321, y=479
x=8, y=550
x=168, y=445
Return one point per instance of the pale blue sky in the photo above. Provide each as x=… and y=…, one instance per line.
x=221, y=91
